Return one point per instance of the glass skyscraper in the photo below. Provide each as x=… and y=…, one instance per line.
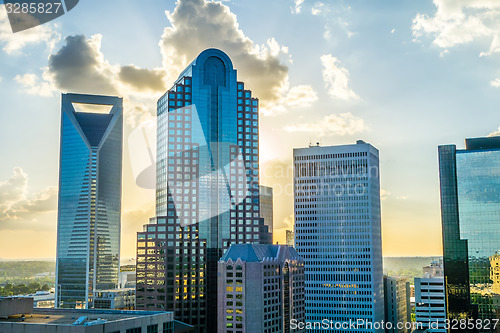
x=89, y=212
x=470, y=209
x=338, y=233
x=207, y=190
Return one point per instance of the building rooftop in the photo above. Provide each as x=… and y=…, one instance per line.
x=259, y=252
x=492, y=142
x=70, y=316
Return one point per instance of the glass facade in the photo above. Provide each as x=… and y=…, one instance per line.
x=470, y=199
x=88, y=228
x=207, y=191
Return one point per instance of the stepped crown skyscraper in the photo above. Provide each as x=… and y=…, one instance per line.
x=90, y=176
x=207, y=191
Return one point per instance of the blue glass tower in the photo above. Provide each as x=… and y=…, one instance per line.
x=88, y=226
x=470, y=212
x=207, y=190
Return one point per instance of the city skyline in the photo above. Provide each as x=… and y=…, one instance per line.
x=406, y=86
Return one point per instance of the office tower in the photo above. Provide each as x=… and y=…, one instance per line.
x=470, y=207
x=430, y=305
x=337, y=232
x=261, y=289
x=266, y=212
x=207, y=195
x=90, y=178
x=397, y=304
x=290, y=238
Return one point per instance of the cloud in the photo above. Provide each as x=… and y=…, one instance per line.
x=298, y=6
x=143, y=79
x=458, y=22
x=79, y=66
x=384, y=194
x=317, y=8
x=199, y=24
x=286, y=223
x=18, y=205
x=341, y=124
x=34, y=86
x=15, y=42
x=495, y=83
x=336, y=79
x=495, y=133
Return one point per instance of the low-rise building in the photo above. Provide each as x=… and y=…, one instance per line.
x=115, y=299
x=16, y=316
x=430, y=306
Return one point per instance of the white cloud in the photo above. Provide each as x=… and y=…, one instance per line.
x=495, y=83
x=300, y=96
x=297, y=6
x=34, y=86
x=384, y=194
x=341, y=124
x=15, y=42
x=317, y=8
x=495, y=133
x=336, y=79
x=17, y=204
x=199, y=24
x=457, y=22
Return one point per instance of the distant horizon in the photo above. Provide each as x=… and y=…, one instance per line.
x=130, y=258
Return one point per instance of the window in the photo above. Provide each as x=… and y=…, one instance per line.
x=168, y=327
x=152, y=328
x=134, y=330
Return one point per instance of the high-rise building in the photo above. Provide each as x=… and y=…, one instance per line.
x=397, y=304
x=290, y=238
x=207, y=194
x=470, y=207
x=430, y=307
x=338, y=233
x=90, y=176
x=261, y=289
x=266, y=212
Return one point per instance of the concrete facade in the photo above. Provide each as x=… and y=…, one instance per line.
x=261, y=289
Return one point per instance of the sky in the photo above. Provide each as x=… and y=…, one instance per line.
x=405, y=76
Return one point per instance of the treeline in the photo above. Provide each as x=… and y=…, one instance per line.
x=24, y=272
x=22, y=289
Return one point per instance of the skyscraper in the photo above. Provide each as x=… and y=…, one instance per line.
x=261, y=289
x=470, y=210
x=337, y=232
x=88, y=225
x=266, y=213
x=207, y=194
